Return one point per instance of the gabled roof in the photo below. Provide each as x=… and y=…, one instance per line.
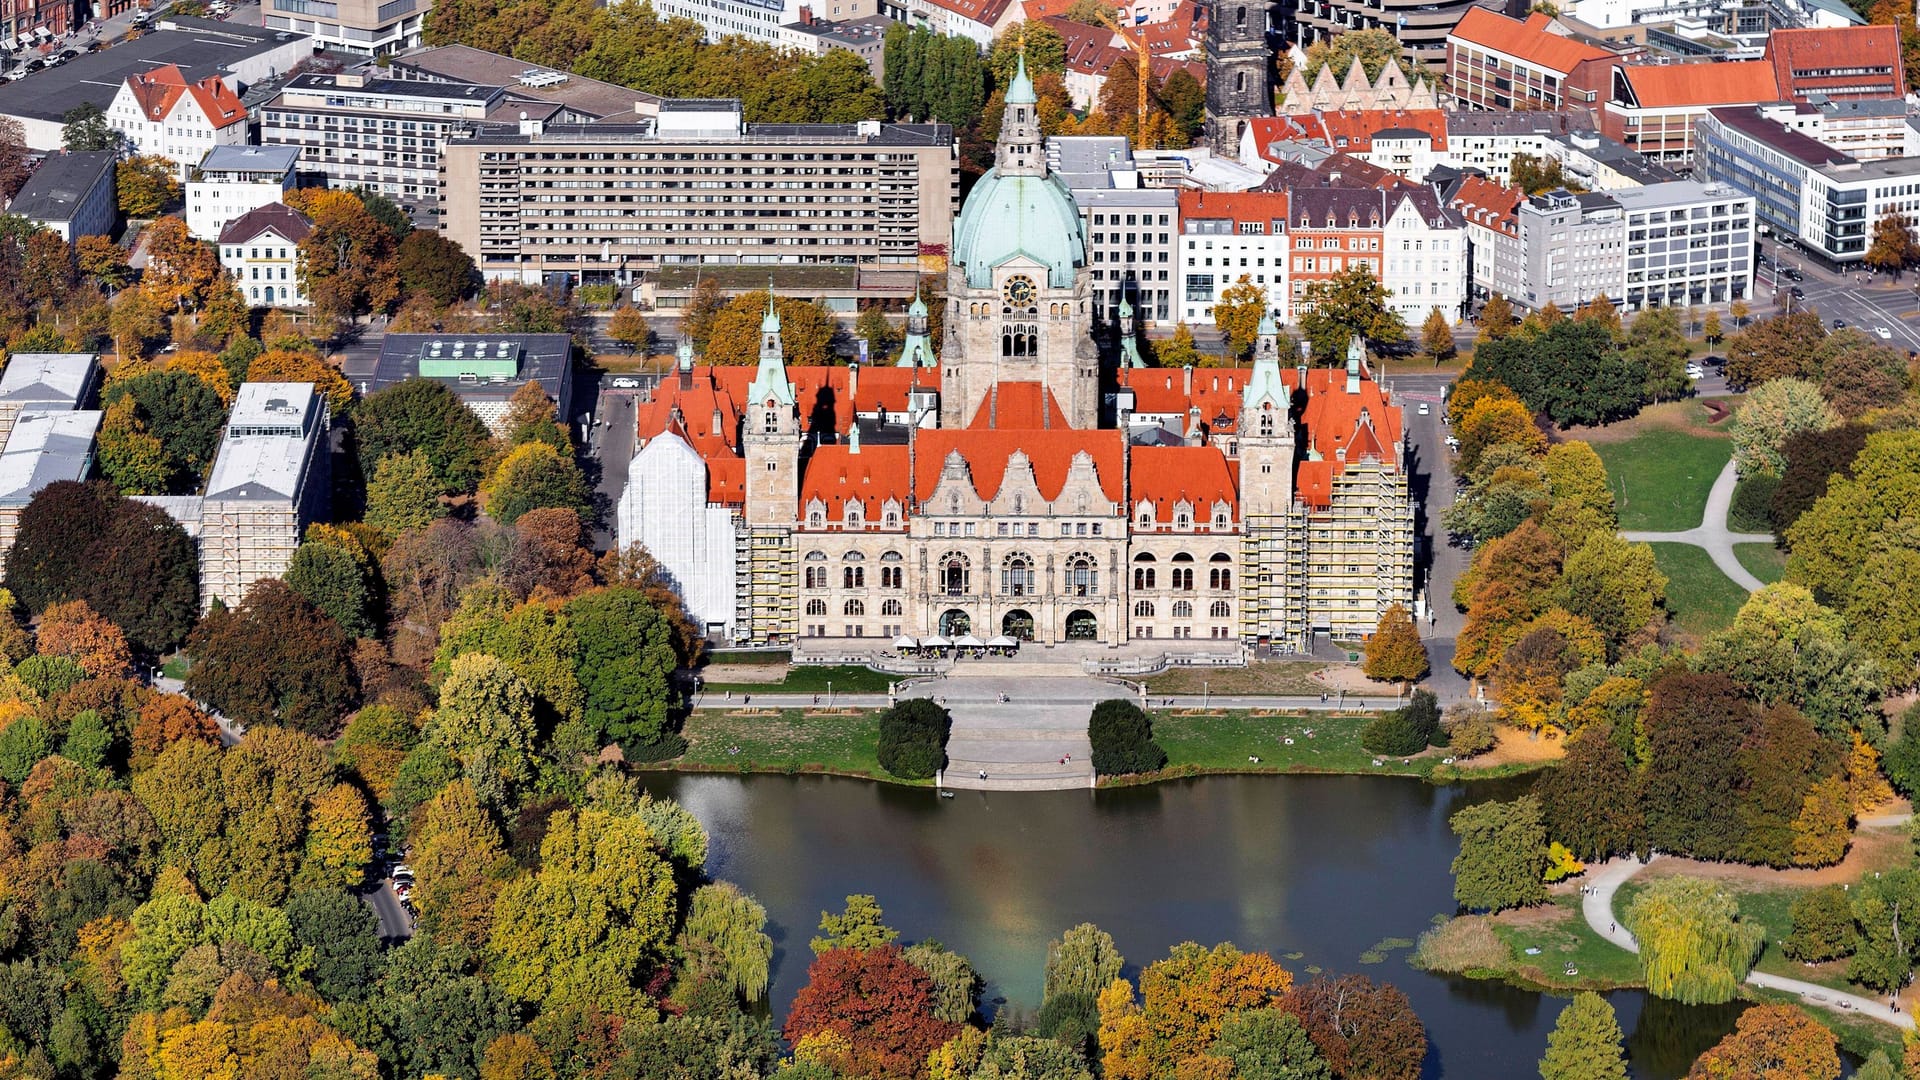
x=985, y=12
x=1483, y=202
x=988, y=452
x=1812, y=60
x=1528, y=41
x=1671, y=86
x=870, y=475
x=1355, y=131
x=1197, y=475
x=286, y=222
x=159, y=91
x=1020, y=406
x=1236, y=206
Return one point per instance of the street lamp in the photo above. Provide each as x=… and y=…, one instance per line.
x=1205, y=694
x=829, y=693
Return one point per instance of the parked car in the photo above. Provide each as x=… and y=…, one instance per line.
x=1838, y=323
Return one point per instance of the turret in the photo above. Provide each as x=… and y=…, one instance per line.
x=1265, y=431
x=771, y=437
x=1129, y=337
x=918, y=349
x=1019, y=152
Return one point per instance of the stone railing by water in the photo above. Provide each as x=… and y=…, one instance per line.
x=1153, y=665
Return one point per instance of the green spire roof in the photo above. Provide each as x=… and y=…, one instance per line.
x=770, y=324
x=1020, y=90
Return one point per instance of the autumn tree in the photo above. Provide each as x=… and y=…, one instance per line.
x=1185, y=1000
x=1503, y=855
x=1363, y=1029
x=534, y=476
x=15, y=159
x=274, y=659
x=103, y=261
x=1395, y=652
x=1238, y=313
x=147, y=184
x=403, y=494
x=1772, y=1040
x=286, y=365
x=1586, y=1042
x=1592, y=803
x=1893, y=248
x=1496, y=319
x=628, y=327
x=1351, y=304
x=1491, y=422
x=182, y=414
x=74, y=631
x=807, y=330
x=1436, y=337
x=1774, y=412
x=1779, y=347
x=183, y=273
x=486, y=722
x=702, y=310
x=346, y=264
x=1694, y=948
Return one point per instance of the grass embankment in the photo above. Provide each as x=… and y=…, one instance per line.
x=1764, y=561
x=842, y=742
x=809, y=679
x=1281, y=678
x=1701, y=598
x=1497, y=947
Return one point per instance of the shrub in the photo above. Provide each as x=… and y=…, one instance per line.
x=1822, y=926
x=1752, y=509
x=1122, y=738
x=913, y=739
x=1463, y=943
x=1406, y=730
x=1470, y=732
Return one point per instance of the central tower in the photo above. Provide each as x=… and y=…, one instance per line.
x=1239, y=72
x=1018, y=282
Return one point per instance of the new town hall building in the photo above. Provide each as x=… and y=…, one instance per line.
x=1024, y=475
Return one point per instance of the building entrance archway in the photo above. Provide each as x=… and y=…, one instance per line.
x=1083, y=626
x=955, y=623
x=1017, y=624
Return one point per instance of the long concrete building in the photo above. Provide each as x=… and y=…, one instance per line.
x=609, y=203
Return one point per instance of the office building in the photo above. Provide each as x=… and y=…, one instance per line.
x=1225, y=237
x=1131, y=223
x=1688, y=242
x=482, y=370
x=382, y=134
x=46, y=433
x=232, y=180
x=367, y=27
x=270, y=480
x=1573, y=248
x=72, y=194
x=611, y=202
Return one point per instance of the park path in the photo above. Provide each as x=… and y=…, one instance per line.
x=1605, y=880
x=1712, y=533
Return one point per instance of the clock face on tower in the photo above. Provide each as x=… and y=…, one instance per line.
x=1019, y=290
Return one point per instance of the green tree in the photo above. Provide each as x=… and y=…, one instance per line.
x=1580, y=498
x=1772, y=413
x=725, y=938
x=1351, y=304
x=1503, y=855
x=625, y=664
x=1586, y=1043
x=1238, y=313
x=1083, y=961
x=342, y=935
x=1886, y=945
x=1615, y=585
x=1657, y=345
x=485, y=720
x=857, y=927
x=428, y=264
x=422, y=415
x=1406, y=730
x=956, y=986
x=336, y=575
x=913, y=739
x=1122, y=738
x=598, y=910
x=1822, y=926
x=183, y=413
x=1375, y=49
x=85, y=127
x=1269, y=1044
x=1784, y=647
x=1572, y=371
x=1694, y=948
x=1858, y=513
x=404, y=494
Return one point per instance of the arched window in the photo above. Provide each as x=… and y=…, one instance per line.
x=1143, y=572
x=1182, y=572
x=1083, y=575
x=816, y=576
x=853, y=577
x=855, y=607
x=1145, y=515
x=1183, y=519
x=816, y=519
x=1240, y=18
x=1143, y=609
x=1240, y=81
x=1220, y=610
x=816, y=606
x=889, y=607
x=954, y=574
x=1182, y=610
x=891, y=572
x=1016, y=576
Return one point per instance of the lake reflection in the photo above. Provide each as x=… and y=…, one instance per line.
x=1321, y=866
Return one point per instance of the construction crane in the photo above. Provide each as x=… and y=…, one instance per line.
x=1143, y=64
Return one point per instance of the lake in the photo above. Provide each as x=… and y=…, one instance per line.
x=1324, y=866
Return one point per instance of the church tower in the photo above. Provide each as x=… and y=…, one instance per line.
x=770, y=434
x=1239, y=72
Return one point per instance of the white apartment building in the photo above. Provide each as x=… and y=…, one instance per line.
x=232, y=180
x=1425, y=257
x=162, y=112
x=1688, y=242
x=1573, y=249
x=1227, y=235
x=1491, y=212
x=261, y=249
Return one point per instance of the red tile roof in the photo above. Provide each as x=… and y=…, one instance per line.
x=985, y=12
x=1251, y=206
x=1020, y=406
x=159, y=90
x=1528, y=41
x=1354, y=132
x=988, y=452
x=1197, y=475
x=1801, y=60
x=1494, y=205
x=1089, y=49
x=837, y=475
x=1674, y=86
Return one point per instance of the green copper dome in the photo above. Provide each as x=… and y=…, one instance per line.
x=1005, y=216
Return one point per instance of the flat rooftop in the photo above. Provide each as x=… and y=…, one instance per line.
x=544, y=358
x=382, y=87
x=1776, y=136
x=274, y=161
x=768, y=134
x=45, y=448
x=48, y=381
x=524, y=81
x=55, y=189
x=199, y=47
x=1675, y=193
x=264, y=448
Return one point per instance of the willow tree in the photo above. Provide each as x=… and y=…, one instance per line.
x=1693, y=947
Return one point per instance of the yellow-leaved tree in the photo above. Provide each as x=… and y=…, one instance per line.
x=339, y=840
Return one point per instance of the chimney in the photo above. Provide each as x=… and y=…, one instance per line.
x=1186, y=380
x=853, y=388
x=717, y=424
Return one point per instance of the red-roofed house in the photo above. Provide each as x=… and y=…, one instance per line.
x=1492, y=213
x=1839, y=62
x=1225, y=236
x=980, y=20
x=1026, y=485
x=1494, y=62
x=161, y=112
x=1653, y=107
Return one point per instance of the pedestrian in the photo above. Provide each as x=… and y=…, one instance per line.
x=983, y=774
x=1611, y=927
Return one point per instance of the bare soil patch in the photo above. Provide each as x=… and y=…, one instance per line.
x=1872, y=849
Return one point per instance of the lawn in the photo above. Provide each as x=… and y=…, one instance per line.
x=1701, y=598
x=1563, y=937
x=782, y=740
x=1284, y=678
x=1225, y=740
x=1661, y=477
x=1764, y=561
x=815, y=679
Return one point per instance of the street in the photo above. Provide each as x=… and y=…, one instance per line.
x=1433, y=491
x=1869, y=304
x=614, y=434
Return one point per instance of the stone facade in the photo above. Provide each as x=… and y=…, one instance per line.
x=1239, y=72
x=1356, y=93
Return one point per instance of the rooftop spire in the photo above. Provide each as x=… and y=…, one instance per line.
x=1020, y=90
x=770, y=323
